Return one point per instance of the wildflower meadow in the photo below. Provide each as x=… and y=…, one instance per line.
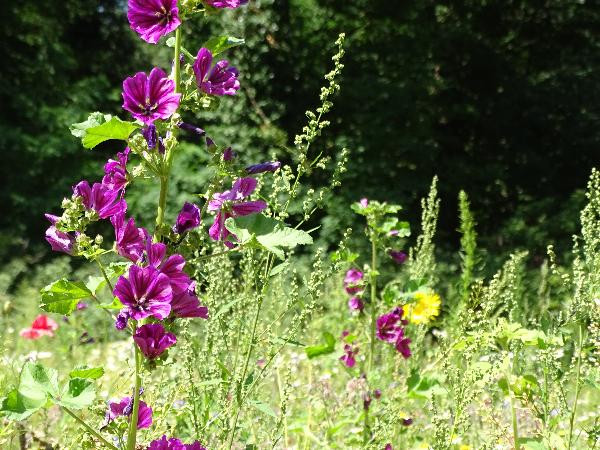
x=236, y=313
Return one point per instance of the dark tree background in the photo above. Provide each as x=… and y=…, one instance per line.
x=498, y=97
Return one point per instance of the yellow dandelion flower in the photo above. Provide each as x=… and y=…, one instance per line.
x=424, y=309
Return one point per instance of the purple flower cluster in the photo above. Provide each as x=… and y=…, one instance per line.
x=390, y=328
x=353, y=285
x=157, y=286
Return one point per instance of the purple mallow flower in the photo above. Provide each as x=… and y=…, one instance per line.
x=115, y=171
x=353, y=281
x=192, y=128
x=173, y=444
x=229, y=154
x=153, y=340
x=129, y=238
x=270, y=166
x=151, y=136
x=100, y=198
x=232, y=4
x=348, y=357
x=146, y=292
x=171, y=267
x=122, y=318
x=59, y=240
x=231, y=204
x=356, y=304
x=124, y=407
x=187, y=305
x=188, y=218
x=397, y=256
x=152, y=97
x=364, y=202
x=218, y=80
x=390, y=329
x=152, y=19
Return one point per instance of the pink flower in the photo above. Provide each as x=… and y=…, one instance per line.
x=152, y=19
x=390, y=329
x=348, y=357
x=41, y=326
x=353, y=281
x=100, y=198
x=130, y=240
x=231, y=204
x=115, y=171
x=397, y=256
x=153, y=340
x=146, y=292
x=59, y=240
x=187, y=304
x=173, y=444
x=356, y=304
x=124, y=407
x=150, y=97
x=218, y=80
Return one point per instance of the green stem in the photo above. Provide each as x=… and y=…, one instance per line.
x=108, y=283
x=373, y=283
x=513, y=411
x=164, y=177
x=574, y=410
x=89, y=428
x=131, y=437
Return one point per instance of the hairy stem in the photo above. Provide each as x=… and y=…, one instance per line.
x=89, y=428
x=164, y=177
x=577, y=386
x=373, y=283
x=513, y=411
x=131, y=438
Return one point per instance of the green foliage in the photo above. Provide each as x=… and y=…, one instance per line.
x=38, y=388
x=322, y=349
x=219, y=44
x=62, y=296
x=100, y=127
x=257, y=230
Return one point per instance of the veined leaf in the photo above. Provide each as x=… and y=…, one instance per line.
x=18, y=407
x=114, y=128
x=219, y=44
x=91, y=373
x=63, y=295
x=77, y=393
x=260, y=231
x=94, y=119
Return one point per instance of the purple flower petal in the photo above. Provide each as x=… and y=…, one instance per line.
x=153, y=340
x=152, y=19
x=152, y=97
